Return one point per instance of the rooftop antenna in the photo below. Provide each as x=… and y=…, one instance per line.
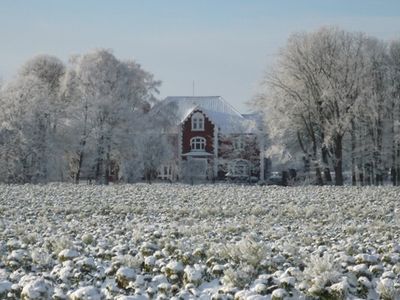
x=193, y=88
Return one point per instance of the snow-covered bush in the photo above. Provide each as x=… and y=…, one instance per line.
x=246, y=251
x=321, y=272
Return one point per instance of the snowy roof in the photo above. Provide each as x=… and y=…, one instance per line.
x=221, y=113
x=257, y=118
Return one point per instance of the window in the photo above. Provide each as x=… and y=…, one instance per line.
x=198, y=144
x=165, y=172
x=238, y=143
x=240, y=167
x=197, y=121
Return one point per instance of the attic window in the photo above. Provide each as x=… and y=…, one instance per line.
x=197, y=122
x=198, y=143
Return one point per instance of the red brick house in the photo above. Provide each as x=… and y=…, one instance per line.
x=214, y=141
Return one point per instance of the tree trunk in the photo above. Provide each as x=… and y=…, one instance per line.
x=373, y=182
x=368, y=173
x=338, y=149
x=361, y=178
x=40, y=168
x=80, y=161
x=398, y=175
x=82, y=144
x=108, y=165
x=353, y=154
x=327, y=171
x=360, y=160
x=318, y=175
x=393, y=175
x=78, y=172
x=100, y=172
x=393, y=171
x=378, y=157
x=397, y=167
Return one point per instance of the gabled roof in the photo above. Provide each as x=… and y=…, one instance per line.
x=221, y=113
x=186, y=104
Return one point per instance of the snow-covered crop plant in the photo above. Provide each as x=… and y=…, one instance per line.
x=246, y=251
x=67, y=241
x=321, y=272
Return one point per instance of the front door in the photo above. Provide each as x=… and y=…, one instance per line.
x=195, y=169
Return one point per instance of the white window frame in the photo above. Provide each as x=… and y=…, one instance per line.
x=238, y=143
x=165, y=172
x=240, y=164
x=198, y=122
x=198, y=143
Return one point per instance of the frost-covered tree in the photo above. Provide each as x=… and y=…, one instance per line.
x=155, y=149
x=58, y=123
x=108, y=96
x=370, y=117
x=328, y=90
x=394, y=108
x=150, y=143
x=30, y=117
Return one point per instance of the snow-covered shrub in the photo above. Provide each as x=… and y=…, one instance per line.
x=88, y=239
x=37, y=289
x=41, y=258
x=246, y=251
x=387, y=290
x=279, y=294
x=57, y=244
x=174, y=268
x=124, y=276
x=321, y=272
x=193, y=274
x=67, y=254
x=238, y=277
x=128, y=260
x=86, y=293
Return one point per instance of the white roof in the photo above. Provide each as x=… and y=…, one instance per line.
x=221, y=113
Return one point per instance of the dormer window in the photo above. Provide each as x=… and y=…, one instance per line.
x=197, y=122
x=198, y=143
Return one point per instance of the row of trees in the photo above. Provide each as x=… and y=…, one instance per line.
x=334, y=97
x=63, y=122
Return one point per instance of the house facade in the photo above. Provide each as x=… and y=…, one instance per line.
x=214, y=142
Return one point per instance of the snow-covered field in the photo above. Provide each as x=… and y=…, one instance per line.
x=158, y=241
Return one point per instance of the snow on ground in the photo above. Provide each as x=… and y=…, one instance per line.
x=166, y=241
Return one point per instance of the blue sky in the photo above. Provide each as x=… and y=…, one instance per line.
x=223, y=45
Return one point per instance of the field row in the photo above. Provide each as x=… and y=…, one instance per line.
x=160, y=241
